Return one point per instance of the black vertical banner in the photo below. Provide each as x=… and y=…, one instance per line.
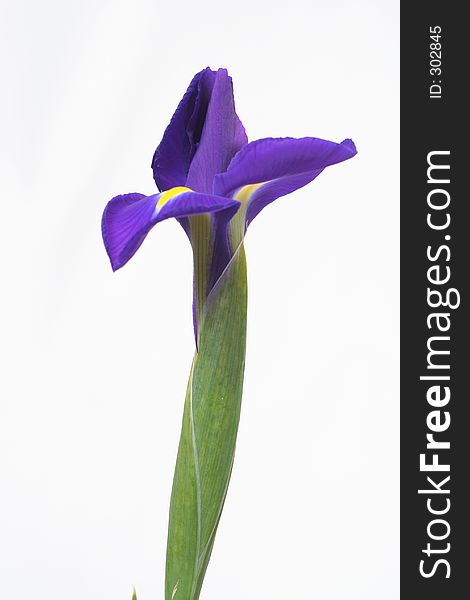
x=435, y=252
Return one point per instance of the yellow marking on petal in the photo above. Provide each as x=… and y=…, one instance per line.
x=170, y=194
x=245, y=192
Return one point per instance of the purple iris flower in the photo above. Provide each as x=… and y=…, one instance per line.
x=214, y=183
x=204, y=165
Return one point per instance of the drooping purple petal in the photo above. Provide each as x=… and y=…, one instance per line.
x=127, y=219
x=222, y=137
x=270, y=168
x=175, y=152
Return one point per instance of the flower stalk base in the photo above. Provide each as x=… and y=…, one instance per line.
x=209, y=431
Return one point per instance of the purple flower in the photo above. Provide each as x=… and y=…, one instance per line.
x=204, y=165
x=214, y=183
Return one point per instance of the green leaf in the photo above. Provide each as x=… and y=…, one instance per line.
x=208, y=436
x=134, y=595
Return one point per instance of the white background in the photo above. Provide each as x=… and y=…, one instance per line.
x=95, y=364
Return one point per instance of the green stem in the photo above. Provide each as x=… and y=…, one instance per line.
x=202, y=244
x=209, y=430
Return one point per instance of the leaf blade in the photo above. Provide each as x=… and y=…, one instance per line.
x=208, y=436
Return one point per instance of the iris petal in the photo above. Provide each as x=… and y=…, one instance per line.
x=173, y=156
x=270, y=168
x=222, y=137
x=127, y=219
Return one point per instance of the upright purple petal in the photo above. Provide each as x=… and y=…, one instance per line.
x=270, y=168
x=173, y=156
x=222, y=137
x=127, y=219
